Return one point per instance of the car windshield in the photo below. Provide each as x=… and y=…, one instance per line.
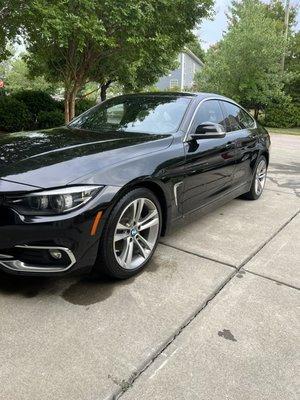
x=146, y=114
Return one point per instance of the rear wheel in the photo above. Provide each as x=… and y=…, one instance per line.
x=130, y=235
x=259, y=180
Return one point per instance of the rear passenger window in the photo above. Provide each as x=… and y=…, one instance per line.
x=245, y=120
x=236, y=118
x=232, y=116
x=209, y=111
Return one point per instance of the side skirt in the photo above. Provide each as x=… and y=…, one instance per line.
x=208, y=207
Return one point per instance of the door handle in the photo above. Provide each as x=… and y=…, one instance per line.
x=229, y=146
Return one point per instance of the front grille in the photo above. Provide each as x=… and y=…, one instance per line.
x=7, y=217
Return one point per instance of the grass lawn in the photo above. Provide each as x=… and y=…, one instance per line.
x=285, y=131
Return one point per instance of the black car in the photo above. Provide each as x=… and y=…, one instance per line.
x=97, y=194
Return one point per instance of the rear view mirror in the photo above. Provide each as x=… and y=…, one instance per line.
x=209, y=130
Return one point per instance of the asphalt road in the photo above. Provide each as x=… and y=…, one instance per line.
x=214, y=316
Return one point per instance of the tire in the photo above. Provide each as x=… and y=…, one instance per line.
x=258, y=180
x=119, y=246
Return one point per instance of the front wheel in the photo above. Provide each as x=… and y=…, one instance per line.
x=259, y=180
x=130, y=235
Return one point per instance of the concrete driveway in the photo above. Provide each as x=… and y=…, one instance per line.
x=213, y=317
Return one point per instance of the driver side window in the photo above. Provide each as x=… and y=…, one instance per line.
x=209, y=111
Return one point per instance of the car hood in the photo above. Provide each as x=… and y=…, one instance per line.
x=56, y=157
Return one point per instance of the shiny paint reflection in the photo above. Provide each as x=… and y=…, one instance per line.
x=202, y=171
x=25, y=157
x=210, y=165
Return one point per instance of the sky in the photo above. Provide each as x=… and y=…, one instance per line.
x=211, y=31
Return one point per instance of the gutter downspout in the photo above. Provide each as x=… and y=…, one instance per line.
x=182, y=71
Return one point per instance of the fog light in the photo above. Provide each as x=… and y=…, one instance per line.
x=55, y=254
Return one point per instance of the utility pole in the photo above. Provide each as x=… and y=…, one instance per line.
x=286, y=32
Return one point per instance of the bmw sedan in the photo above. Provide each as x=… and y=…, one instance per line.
x=97, y=194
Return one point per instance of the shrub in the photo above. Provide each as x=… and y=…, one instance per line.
x=60, y=105
x=285, y=115
x=82, y=105
x=50, y=119
x=36, y=101
x=14, y=115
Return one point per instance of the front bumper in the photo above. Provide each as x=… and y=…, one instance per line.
x=27, y=244
x=70, y=236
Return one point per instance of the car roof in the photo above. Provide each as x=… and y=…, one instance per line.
x=199, y=95
x=161, y=94
x=206, y=95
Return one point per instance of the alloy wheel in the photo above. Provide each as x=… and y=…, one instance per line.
x=260, y=177
x=136, y=233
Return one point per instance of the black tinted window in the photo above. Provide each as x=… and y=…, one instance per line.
x=236, y=118
x=232, y=116
x=209, y=111
x=149, y=114
x=245, y=120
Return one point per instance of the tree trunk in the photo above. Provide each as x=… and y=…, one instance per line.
x=103, y=90
x=67, y=114
x=72, y=105
x=70, y=99
x=256, y=112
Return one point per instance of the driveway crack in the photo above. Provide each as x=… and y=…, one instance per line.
x=272, y=279
x=201, y=256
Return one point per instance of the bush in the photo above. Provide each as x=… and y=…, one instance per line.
x=60, y=105
x=31, y=109
x=285, y=115
x=14, y=115
x=50, y=119
x=82, y=105
x=36, y=101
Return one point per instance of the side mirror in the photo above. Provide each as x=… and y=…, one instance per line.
x=209, y=130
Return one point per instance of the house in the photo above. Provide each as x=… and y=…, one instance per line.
x=183, y=76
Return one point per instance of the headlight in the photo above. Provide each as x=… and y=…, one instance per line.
x=52, y=202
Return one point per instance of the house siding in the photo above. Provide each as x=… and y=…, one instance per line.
x=191, y=67
x=164, y=82
x=184, y=74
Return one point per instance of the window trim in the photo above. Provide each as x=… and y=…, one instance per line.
x=220, y=107
x=173, y=80
x=187, y=134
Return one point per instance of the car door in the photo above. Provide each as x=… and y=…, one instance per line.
x=210, y=163
x=243, y=132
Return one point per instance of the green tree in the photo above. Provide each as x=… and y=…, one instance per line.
x=195, y=46
x=147, y=65
x=76, y=41
x=11, y=14
x=245, y=65
x=17, y=78
x=274, y=9
x=293, y=67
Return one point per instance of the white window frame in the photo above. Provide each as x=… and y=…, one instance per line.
x=172, y=85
